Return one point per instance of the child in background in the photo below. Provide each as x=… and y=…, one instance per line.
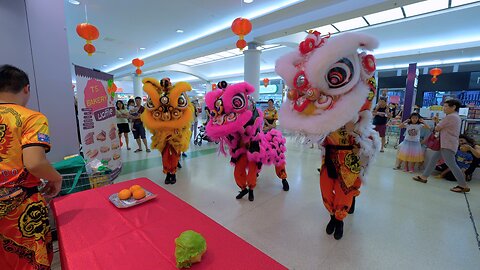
x=132, y=110
x=410, y=150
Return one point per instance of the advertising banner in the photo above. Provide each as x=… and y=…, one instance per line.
x=97, y=119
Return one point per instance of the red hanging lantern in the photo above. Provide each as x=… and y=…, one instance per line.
x=265, y=82
x=214, y=86
x=89, y=48
x=88, y=32
x=241, y=27
x=435, y=72
x=241, y=44
x=138, y=63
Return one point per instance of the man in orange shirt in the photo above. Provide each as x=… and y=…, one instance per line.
x=26, y=241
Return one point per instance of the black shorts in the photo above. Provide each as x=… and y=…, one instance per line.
x=123, y=128
x=139, y=130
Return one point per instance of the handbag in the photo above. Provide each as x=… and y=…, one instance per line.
x=433, y=142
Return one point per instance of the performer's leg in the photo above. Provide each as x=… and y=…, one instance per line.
x=170, y=160
x=326, y=187
x=282, y=174
x=252, y=178
x=342, y=205
x=240, y=174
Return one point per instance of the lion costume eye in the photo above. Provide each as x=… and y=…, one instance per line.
x=150, y=104
x=182, y=101
x=340, y=73
x=238, y=101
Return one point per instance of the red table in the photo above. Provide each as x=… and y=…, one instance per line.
x=94, y=234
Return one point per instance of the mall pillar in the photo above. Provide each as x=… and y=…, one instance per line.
x=251, y=67
x=37, y=43
x=409, y=95
x=137, y=86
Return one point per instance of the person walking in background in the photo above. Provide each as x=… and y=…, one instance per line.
x=138, y=128
x=410, y=150
x=270, y=117
x=380, y=119
x=24, y=140
x=464, y=160
x=122, y=122
x=449, y=129
x=195, y=119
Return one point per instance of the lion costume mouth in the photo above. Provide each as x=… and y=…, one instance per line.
x=224, y=119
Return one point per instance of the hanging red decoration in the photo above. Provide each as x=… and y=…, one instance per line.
x=88, y=32
x=265, y=82
x=241, y=27
x=214, y=86
x=435, y=72
x=89, y=48
x=241, y=44
x=138, y=63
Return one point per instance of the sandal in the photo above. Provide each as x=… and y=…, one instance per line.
x=460, y=189
x=148, y=150
x=138, y=150
x=419, y=179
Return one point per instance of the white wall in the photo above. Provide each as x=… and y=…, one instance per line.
x=34, y=39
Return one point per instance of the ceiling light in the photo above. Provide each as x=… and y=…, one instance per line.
x=179, y=31
x=142, y=48
x=225, y=54
x=385, y=16
x=105, y=65
x=120, y=58
x=351, y=24
x=425, y=7
x=462, y=2
x=247, y=1
x=74, y=2
x=214, y=56
x=324, y=30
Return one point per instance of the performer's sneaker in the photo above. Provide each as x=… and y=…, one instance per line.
x=167, y=179
x=331, y=225
x=286, y=187
x=173, y=179
x=242, y=193
x=352, y=207
x=179, y=165
x=250, y=195
x=338, y=230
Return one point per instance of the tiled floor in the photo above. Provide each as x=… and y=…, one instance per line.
x=398, y=223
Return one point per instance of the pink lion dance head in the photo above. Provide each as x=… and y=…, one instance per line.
x=329, y=81
x=230, y=109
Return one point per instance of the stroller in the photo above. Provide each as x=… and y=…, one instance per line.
x=201, y=136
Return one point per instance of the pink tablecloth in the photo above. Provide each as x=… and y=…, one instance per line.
x=94, y=234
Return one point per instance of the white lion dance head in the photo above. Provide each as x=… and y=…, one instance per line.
x=329, y=80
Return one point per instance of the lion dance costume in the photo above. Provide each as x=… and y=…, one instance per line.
x=236, y=122
x=168, y=116
x=331, y=89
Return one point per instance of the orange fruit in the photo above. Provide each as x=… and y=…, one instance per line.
x=124, y=194
x=139, y=194
x=135, y=187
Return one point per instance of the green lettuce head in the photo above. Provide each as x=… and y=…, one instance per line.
x=189, y=248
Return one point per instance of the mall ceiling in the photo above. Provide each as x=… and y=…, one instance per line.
x=448, y=35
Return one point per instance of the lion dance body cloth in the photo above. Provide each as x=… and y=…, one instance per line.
x=168, y=116
x=330, y=97
x=236, y=122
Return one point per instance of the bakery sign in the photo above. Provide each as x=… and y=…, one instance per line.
x=97, y=118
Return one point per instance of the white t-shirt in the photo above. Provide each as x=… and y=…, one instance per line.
x=412, y=132
x=121, y=120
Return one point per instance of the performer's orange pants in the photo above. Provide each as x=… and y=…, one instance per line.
x=170, y=159
x=248, y=179
x=335, y=199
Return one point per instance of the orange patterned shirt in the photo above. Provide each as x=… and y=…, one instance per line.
x=20, y=128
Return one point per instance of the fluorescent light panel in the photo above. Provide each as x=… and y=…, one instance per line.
x=351, y=24
x=385, y=16
x=456, y=3
x=324, y=30
x=425, y=7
